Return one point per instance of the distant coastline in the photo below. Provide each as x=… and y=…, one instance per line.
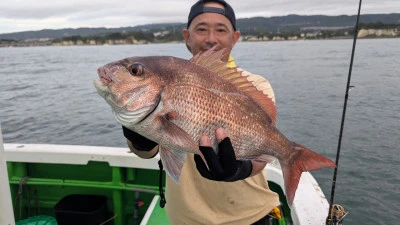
x=313, y=35
x=281, y=28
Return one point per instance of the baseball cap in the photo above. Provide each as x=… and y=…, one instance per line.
x=199, y=8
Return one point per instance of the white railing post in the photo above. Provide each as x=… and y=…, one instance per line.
x=6, y=208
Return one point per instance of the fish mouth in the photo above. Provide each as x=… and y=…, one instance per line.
x=101, y=88
x=105, y=79
x=104, y=76
x=103, y=82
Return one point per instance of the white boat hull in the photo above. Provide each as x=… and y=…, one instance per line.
x=309, y=207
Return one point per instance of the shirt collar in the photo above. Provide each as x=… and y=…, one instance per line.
x=231, y=62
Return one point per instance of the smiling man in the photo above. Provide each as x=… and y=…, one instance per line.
x=209, y=25
x=229, y=191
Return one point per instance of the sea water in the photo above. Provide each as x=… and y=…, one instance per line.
x=47, y=96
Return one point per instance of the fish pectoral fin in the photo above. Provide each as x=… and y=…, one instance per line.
x=178, y=138
x=173, y=161
x=179, y=142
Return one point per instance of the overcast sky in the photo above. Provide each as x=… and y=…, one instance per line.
x=25, y=15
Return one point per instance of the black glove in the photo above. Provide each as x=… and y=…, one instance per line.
x=224, y=166
x=139, y=142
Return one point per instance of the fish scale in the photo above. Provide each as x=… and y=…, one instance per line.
x=207, y=106
x=174, y=102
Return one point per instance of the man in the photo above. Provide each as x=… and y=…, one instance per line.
x=230, y=191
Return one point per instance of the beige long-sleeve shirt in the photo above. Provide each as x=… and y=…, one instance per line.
x=197, y=200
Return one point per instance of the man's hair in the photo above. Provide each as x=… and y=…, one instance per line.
x=199, y=8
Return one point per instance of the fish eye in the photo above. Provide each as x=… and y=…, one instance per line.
x=136, y=69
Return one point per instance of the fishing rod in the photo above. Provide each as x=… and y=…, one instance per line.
x=336, y=212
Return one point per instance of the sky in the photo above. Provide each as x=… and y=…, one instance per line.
x=28, y=15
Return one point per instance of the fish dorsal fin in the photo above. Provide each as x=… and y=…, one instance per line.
x=211, y=60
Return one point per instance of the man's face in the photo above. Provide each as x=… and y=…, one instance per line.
x=208, y=30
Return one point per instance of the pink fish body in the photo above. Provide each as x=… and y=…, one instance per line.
x=174, y=102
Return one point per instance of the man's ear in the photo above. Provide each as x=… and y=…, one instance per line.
x=186, y=36
x=236, y=36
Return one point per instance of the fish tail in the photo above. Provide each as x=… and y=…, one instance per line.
x=301, y=160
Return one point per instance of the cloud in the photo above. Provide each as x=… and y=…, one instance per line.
x=21, y=15
x=312, y=7
x=46, y=9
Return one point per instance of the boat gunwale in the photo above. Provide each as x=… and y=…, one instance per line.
x=309, y=206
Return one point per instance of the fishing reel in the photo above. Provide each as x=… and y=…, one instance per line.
x=336, y=215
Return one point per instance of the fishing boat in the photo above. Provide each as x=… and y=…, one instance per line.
x=111, y=185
